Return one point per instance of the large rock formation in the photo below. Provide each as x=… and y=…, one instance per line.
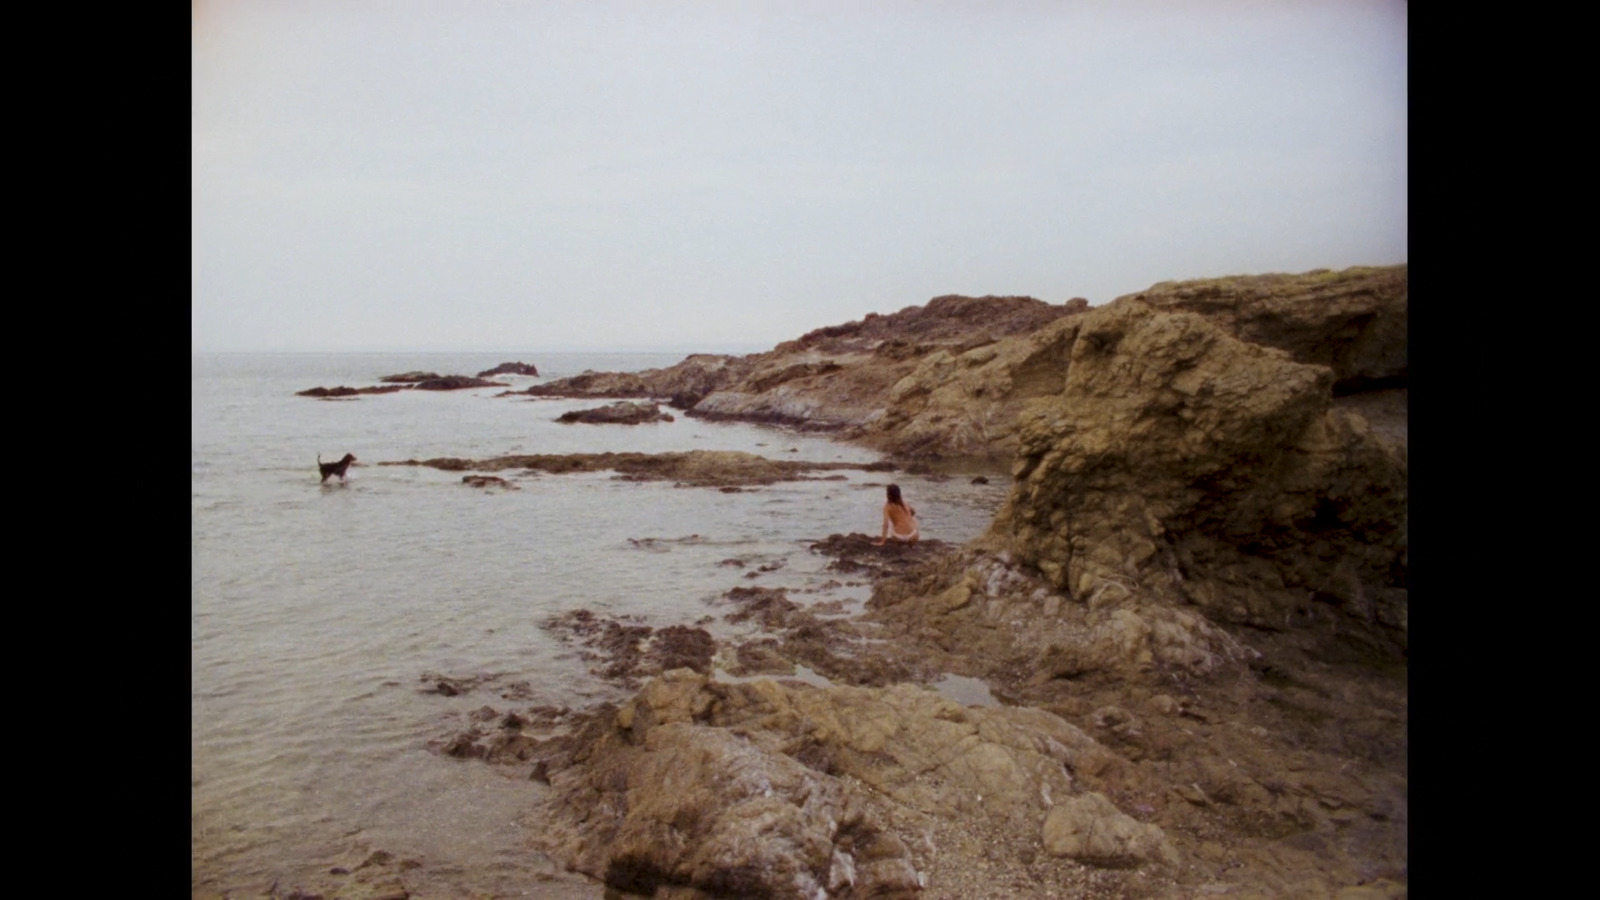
x=788, y=791
x=840, y=378
x=967, y=402
x=954, y=378
x=1186, y=464
x=1353, y=321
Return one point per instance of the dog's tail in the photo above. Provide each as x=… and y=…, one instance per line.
x=319, y=459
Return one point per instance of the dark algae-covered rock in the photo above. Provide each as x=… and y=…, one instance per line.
x=455, y=383
x=343, y=391
x=423, y=381
x=411, y=377
x=697, y=468
x=510, y=368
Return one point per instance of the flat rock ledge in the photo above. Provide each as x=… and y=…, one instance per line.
x=695, y=468
x=343, y=391
x=622, y=412
x=420, y=381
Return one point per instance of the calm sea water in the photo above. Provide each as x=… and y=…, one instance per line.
x=316, y=609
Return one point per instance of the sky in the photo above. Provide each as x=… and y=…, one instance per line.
x=463, y=175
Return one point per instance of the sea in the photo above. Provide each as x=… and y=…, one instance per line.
x=324, y=613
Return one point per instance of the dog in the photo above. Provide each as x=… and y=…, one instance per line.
x=335, y=468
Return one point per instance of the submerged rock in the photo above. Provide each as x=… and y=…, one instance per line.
x=380, y=876
x=696, y=468
x=626, y=649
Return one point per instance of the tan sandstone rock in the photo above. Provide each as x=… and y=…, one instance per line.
x=1354, y=321
x=1089, y=828
x=785, y=790
x=1187, y=464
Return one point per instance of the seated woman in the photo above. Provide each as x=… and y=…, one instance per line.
x=899, y=519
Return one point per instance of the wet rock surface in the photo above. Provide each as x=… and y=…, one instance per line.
x=624, y=650
x=411, y=377
x=421, y=381
x=622, y=412
x=455, y=383
x=1135, y=755
x=343, y=391
x=696, y=468
x=855, y=554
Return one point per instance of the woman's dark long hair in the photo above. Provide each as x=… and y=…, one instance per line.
x=894, y=496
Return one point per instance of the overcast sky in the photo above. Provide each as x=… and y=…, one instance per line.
x=479, y=175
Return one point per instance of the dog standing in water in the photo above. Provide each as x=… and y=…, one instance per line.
x=335, y=468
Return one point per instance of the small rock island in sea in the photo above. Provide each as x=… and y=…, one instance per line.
x=423, y=381
x=1192, y=609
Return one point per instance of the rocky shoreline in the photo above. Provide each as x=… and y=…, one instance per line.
x=1190, y=615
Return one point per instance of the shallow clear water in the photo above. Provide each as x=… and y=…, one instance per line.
x=316, y=609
